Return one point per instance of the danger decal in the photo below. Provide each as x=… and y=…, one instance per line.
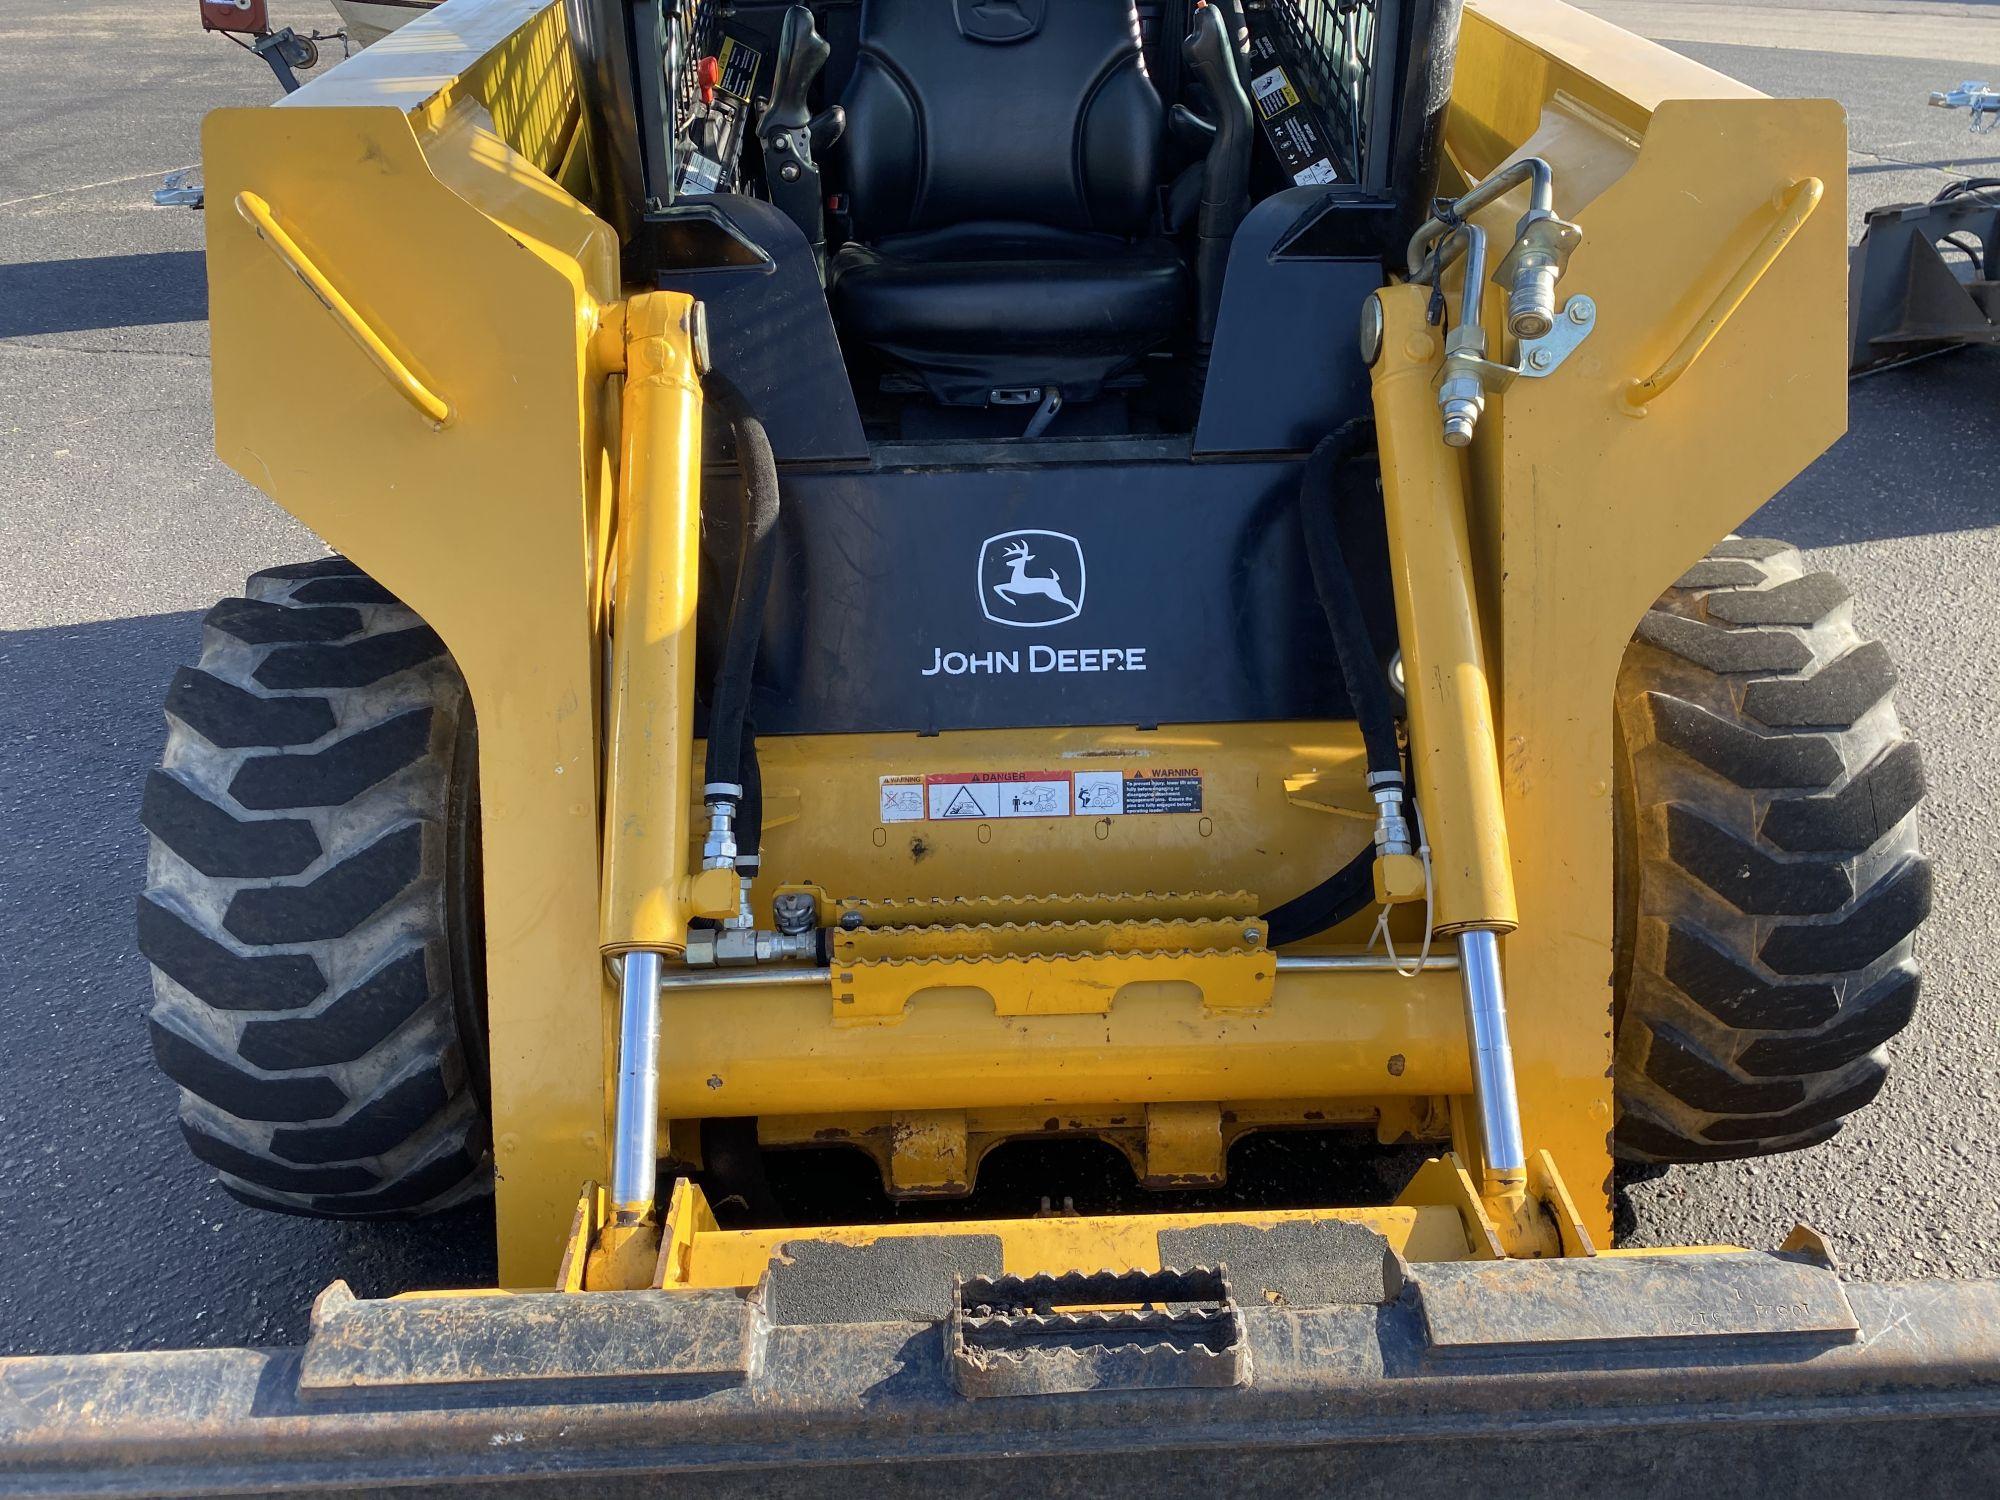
x=979, y=796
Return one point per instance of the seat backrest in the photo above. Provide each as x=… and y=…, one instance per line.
x=1031, y=111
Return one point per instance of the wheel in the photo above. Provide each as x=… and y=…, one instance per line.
x=311, y=910
x=1768, y=873
x=302, y=52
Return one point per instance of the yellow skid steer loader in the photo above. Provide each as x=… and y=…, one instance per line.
x=1036, y=721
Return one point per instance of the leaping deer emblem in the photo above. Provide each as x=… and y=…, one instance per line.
x=1020, y=582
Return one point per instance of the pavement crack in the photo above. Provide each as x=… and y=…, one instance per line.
x=8, y=346
x=1902, y=161
x=84, y=187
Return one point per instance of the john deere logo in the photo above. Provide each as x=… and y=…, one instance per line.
x=1031, y=578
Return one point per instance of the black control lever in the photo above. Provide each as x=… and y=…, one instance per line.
x=1237, y=33
x=802, y=52
x=789, y=130
x=1225, y=188
x=826, y=127
x=1196, y=132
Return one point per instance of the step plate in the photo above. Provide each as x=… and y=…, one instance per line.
x=1050, y=955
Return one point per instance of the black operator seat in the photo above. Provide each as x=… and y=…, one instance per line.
x=1002, y=162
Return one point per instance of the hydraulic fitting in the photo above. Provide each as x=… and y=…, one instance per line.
x=1530, y=270
x=735, y=947
x=745, y=919
x=1398, y=878
x=1392, y=829
x=718, y=849
x=1542, y=246
x=1398, y=872
x=1461, y=394
x=746, y=877
x=795, y=912
x=1462, y=384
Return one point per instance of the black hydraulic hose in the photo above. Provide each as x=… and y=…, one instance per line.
x=1347, y=891
x=1348, y=453
x=757, y=561
x=750, y=811
x=1332, y=476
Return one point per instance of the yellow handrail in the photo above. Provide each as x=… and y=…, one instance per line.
x=257, y=214
x=1794, y=209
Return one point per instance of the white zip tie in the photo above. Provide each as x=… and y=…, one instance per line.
x=1381, y=932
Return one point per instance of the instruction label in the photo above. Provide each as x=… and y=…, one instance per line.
x=739, y=65
x=1290, y=125
x=700, y=174
x=981, y=795
x=998, y=794
x=1274, y=93
x=1177, y=791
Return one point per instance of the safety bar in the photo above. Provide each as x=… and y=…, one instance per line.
x=1794, y=208
x=257, y=214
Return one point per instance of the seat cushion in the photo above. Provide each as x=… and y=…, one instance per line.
x=979, y=308
x=1031, y=110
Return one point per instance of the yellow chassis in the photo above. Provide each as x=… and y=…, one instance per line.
x=401, y=249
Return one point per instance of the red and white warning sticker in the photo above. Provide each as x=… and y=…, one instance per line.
x=981, y=795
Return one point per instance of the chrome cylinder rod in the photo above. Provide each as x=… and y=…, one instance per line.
x=1492, y=1059
x=635, y=1153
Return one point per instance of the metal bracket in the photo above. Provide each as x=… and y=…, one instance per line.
x=1530, y=270
x=1539, y=358
x=1542, y=357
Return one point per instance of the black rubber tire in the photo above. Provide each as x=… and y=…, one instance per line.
x=312, y=903
x=1768, y=874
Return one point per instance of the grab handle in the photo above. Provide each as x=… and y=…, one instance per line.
x=257, y=214
x=1794, y=209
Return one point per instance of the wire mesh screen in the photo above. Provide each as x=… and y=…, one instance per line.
x=691, y=36
x=1332, y=45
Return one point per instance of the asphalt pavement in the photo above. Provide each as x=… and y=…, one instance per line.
x=118, y=526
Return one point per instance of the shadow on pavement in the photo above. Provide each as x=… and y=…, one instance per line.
x=108, y=291
x=1921, y=456
x=1957, y=165
x=133, y=1244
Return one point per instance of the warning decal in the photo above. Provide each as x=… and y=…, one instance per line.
x=983, y=795
x=1100, y=792
x=1274, y=93
x=1163, y=792
x=998, y=794
x=738, y=68
x=1291, y=124
x=902, y=799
